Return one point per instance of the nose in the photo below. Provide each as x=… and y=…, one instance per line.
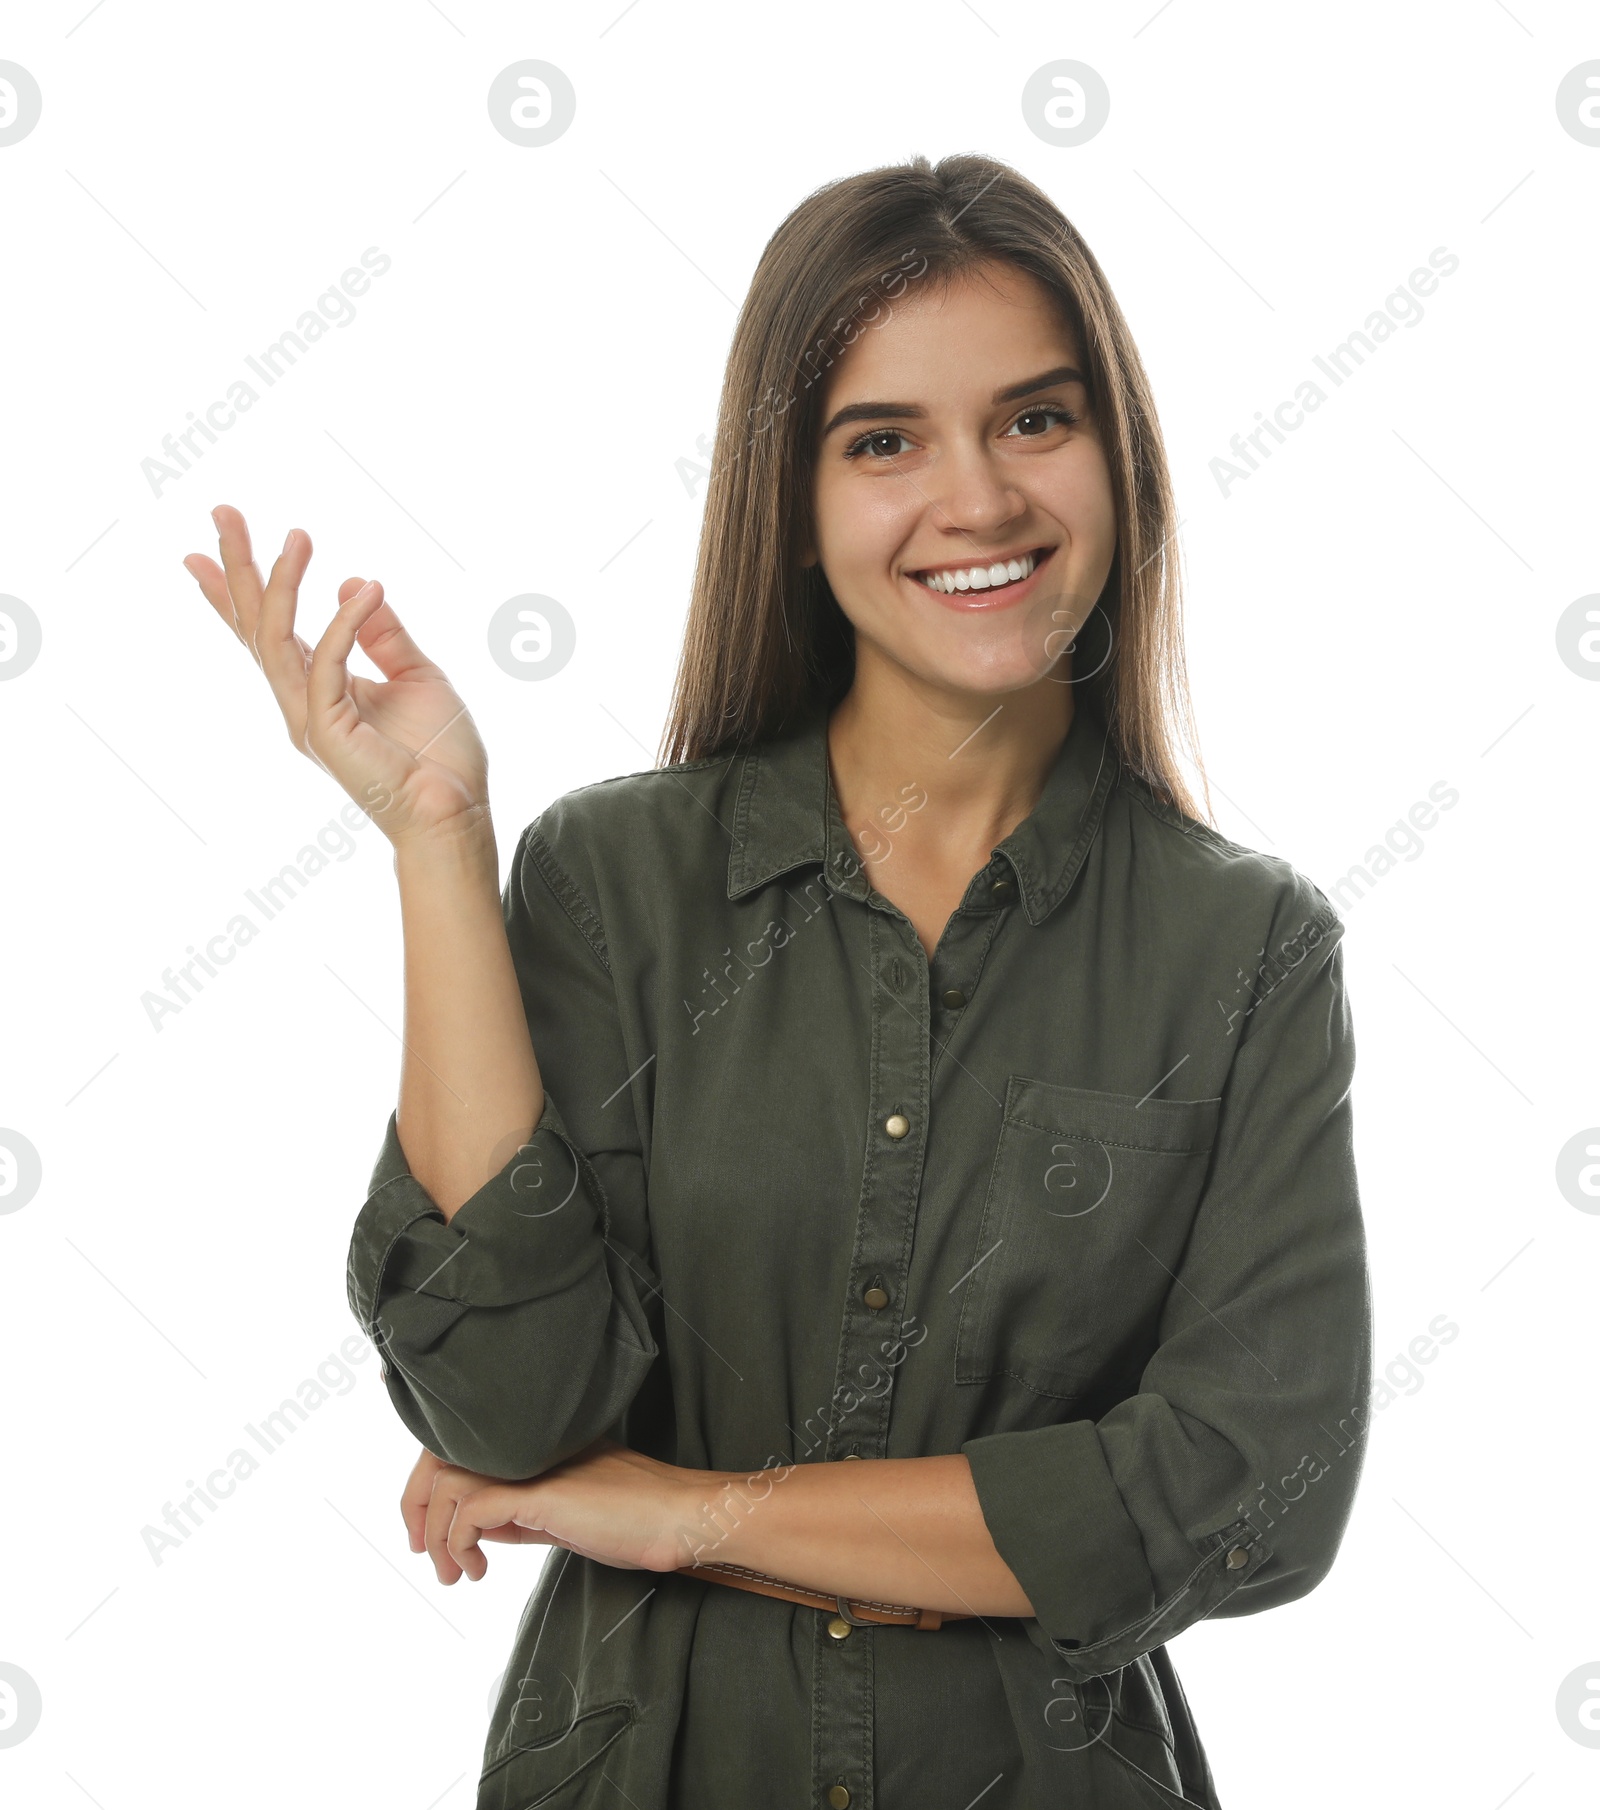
x=971, y=494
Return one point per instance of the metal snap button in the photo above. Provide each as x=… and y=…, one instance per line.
x=839, y=1628
x=897, y=1125
x=1239, y=1556
x=954, y=998
x=876, y=1298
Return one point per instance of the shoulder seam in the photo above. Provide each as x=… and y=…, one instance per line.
x=1326, y=951
x=1186, y=826
x=667, y=772
x=567, y=893
x=1325, y=918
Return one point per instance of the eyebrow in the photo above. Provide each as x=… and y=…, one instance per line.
x=912, y=411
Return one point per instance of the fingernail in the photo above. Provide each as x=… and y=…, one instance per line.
x=366, y=590
x=214, y=522
x=288, y=540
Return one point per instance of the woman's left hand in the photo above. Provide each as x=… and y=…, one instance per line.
x=606, y=1502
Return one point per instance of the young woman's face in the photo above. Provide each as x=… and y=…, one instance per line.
x=956, y=441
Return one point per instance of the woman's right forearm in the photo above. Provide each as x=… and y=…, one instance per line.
x=470, y=1092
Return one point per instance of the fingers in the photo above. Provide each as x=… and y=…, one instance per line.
x=436, y=1526
x=327, y=681
x=239, y=566
x=458, y=1510
x=262, y=617
x=386, y=643
x=475, y=1511
x=213, y=585
x=451, y=1488
x=279, y=650
x=415, y=1497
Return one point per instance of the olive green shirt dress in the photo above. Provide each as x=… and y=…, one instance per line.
x=1076, y=1198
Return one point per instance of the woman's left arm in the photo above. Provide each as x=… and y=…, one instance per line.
x=899, y=1530
x=902, y=1530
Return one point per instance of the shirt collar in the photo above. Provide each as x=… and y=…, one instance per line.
x=786, y=815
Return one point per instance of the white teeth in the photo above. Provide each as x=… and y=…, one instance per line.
x=979, y=578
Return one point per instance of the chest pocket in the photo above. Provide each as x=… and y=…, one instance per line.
x=1090, y=1202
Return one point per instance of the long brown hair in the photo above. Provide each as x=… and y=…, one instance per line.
x=765, y=639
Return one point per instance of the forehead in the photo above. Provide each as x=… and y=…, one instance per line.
x=967, y=336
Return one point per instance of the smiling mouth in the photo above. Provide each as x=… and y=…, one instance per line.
x=946, y=581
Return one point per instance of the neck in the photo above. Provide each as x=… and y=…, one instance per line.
x=976, y=761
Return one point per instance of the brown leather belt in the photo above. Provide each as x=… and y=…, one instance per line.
x=856, y=1612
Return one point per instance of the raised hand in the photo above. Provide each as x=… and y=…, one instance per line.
x=404, y=748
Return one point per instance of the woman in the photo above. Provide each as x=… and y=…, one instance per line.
x=934, y=1276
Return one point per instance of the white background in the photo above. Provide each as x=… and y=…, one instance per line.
x=1371, y=612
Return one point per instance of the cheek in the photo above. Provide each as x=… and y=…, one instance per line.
x=861, y=523
x=1080, y=497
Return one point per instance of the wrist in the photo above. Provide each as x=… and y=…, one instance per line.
x=465, y=848
x=711, y=1511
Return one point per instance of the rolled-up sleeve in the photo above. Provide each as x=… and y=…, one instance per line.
x=1224, y=1484
x=516, y=1332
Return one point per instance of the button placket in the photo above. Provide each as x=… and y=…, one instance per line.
x=997, y=884
x=874, y=1309
x=957, y=968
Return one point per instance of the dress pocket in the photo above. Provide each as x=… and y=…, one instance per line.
x=534, y=1772
x=1091, y=1198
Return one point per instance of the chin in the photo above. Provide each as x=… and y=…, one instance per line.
x=990, y=677
x=989, y=659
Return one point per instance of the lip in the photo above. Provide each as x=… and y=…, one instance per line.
x=973, y=602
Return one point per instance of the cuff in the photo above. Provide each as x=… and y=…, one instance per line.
x=528, y=1231
x=1058, y=1520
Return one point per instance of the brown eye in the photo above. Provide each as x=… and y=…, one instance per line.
x=874, y=441
x=1043, y=416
